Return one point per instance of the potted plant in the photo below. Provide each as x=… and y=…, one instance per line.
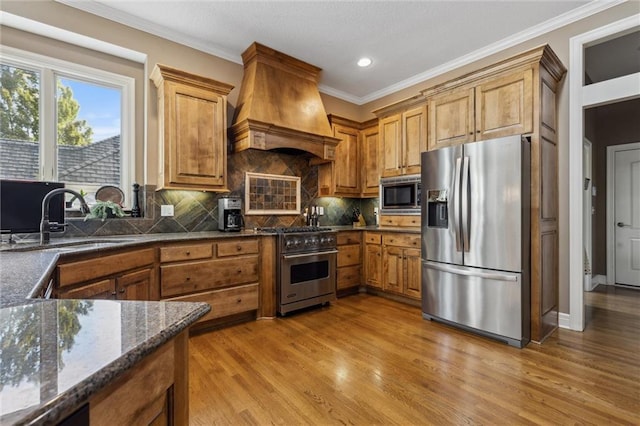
x=105, y=209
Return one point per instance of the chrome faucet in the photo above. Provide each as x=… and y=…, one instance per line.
x=45, y=225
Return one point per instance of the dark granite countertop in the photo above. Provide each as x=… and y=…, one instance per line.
x=57, y=353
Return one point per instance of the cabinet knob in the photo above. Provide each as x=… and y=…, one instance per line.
x=188, y=253
x=188, y=278
x=121, y=290
x=477, y=131
x=239, y=301
x=239, y=248
x=113, y=293
x=470, y=133
x=239, y=271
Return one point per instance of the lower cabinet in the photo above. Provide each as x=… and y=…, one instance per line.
x=349, y=261
x=126, y=275
x=373, y=259
x=401, y=264
x=223, y=273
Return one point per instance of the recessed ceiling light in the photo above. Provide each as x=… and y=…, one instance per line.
x=364, y=62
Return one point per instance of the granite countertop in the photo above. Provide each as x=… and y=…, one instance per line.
x=57, y=353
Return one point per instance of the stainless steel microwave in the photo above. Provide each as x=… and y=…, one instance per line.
x=400, y=195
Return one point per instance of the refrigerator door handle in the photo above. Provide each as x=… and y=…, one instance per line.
x=464, y=195
x=471, y=273
x=455, y=197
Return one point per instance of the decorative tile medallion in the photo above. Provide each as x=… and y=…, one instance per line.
x=271, y=194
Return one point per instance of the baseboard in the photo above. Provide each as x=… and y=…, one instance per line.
x=595, y=281
x=564, y=320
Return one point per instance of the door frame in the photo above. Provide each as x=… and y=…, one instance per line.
x=587, y=209
x=611, y=219
x=581, y=97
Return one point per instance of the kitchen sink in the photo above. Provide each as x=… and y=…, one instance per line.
x=66, y=245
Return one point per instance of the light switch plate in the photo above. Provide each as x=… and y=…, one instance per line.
x=320, y=211
x=166, y=210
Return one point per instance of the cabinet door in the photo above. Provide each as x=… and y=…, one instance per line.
x=373, y=265
x=196, y=154
x=391, y=145
x=135, y=285
x=347, y=163
x=392, y=261
x=413, y=282
x=504, y=106
x=370, y=170
x=451, y=119
x=414, y=135
x=103, y=289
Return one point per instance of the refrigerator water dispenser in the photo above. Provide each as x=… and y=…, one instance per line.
x=438, y=210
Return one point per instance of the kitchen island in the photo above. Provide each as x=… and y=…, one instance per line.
x=117, y=362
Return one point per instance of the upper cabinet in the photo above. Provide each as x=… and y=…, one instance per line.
x=192, y=117
x=403, y=136
x=354, y=172
x=500, y=106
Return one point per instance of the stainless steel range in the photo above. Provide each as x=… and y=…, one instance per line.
x=306, y=267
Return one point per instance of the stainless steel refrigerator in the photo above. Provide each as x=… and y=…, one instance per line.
x=475, y=237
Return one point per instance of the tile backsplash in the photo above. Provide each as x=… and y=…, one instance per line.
x=196, y=211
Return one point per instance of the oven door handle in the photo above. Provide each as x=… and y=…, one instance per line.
x=307, y=254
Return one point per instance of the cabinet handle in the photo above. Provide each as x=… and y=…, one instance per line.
x=470, y=133
x=188, y=253
x=477, y=131
x=239, y=248
x=113, y=293
x=239, y=271
x=121, y=290
x=239, y=301
x=188, y=278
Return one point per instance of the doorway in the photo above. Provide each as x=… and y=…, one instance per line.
x=618, y=83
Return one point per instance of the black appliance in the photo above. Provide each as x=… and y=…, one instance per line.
x=230, y=214
x=21, y=206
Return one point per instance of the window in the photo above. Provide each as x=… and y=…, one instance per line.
x=65, y=122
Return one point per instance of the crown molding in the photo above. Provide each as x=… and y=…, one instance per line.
x=559, y=21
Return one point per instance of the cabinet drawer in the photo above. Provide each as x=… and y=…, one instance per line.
x=88, y=270
x=402, y=240
x=373, y=238
x=348, y=277
x=187, y=252
x=354, y=237
x=237, y=247
x=190, y=277
x=225, y=302
x=348, y=255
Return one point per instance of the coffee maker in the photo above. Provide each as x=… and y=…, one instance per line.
x=230, y=214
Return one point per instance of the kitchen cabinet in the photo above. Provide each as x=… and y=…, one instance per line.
x=153, y=392
x=354, y=173
x=349, y=262
x=192, y=117
x=403, y=136
x=501, y=106
x=224, y=273
x=515, y=96
x=370, y=167
x=401, y=268
x=373, y=259
x=128, y=275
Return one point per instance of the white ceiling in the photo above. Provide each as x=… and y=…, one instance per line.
x=408, y=41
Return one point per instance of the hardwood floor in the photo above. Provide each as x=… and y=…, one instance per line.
x=369, y=360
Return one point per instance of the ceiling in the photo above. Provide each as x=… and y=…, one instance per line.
x=408, y=41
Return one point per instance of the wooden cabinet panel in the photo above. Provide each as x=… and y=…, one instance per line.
x=373, y=265
x=225, y=302
x=370, y=170
x=347, y=163
x=451, y=119
x=237, y=247
x=393, y=268
x=349, y=237
x=401, y=240
x=87, y=270
x=186, y=252
x=348, y=255
x=373, y=238
x=190, y=277
x=348, y=277
x=504, y=106
x=413, y=281
x=135, y=285
x=414, y=135
x=391, y=145
x=103, y=289
x=192, y=116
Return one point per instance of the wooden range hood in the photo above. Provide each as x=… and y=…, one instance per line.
x=279, y=106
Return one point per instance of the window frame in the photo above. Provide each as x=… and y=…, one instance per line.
x=51, y=68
